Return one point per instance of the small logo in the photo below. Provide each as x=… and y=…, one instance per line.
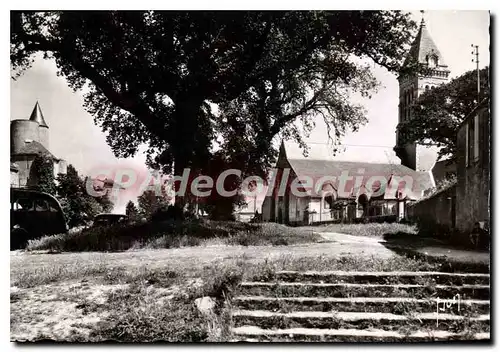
x=446, y=304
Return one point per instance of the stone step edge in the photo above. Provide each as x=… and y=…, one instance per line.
x=317, y=284
x=360, y=300
x=250, y=330
x=379, y=273
x=353, y=316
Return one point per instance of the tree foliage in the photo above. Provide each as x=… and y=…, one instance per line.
x=78, y=205
x=41, y=176
x=438, y=113
x=131, y=211
x=105, y=202
x=149, y=202
x=152, y=77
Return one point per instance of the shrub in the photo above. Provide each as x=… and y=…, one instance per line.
x=370, y=229
x=168, y=213
x=173, y=234
x=272, y=233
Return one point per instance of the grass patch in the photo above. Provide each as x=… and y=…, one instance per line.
x=25, y=278
x=272, y=234
x=368, y=230
x=137, y=315
x=265, y=270
x=170, y=234
x=149, y=304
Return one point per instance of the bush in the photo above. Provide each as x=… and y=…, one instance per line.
x=271, y=233
x=168, y=213
x=370, y=229
x=173, y=234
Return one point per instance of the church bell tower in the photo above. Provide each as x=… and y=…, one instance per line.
x=424, y=52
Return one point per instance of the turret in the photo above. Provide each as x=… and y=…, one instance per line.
x=37, y=115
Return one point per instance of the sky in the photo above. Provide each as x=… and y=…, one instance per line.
x=75, y=138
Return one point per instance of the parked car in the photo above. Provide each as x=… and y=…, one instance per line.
x=34, y=214
x=107, y=219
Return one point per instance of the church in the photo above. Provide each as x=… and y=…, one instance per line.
x=362, y=199
x=29, y=138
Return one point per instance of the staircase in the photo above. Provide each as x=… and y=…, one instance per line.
x=363, y=306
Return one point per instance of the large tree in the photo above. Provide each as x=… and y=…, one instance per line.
x=151, y=77
x=438, y=113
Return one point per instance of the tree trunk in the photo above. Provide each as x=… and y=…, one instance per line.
x=185, y=125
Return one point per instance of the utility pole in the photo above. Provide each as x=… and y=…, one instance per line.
x=476, y=59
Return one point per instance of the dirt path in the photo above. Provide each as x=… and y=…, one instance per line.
x=432, y=249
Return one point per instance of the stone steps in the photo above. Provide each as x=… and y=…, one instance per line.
x=363, y=306
x=356, y=320
x=358, y=304
x=255, y=334
x=312, y=289
x=384, y=277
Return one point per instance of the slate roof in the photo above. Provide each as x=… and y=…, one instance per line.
x=422, y=46
x=321, y=168
x=37, y=115
x=35, y=148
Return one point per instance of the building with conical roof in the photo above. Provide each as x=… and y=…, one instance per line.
x=43, y=129
x=423, y=53
x=28, y=139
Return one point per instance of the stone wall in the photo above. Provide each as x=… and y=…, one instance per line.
x=24, y=163
x=473, y=189
x=436, y=211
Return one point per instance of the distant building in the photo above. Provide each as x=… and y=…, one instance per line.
x=424, y=52
x=28, y=139
x=372, y=191
x=474, y=170
x=104, y=186
x=248, y=211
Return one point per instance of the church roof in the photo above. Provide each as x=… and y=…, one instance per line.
x=37, y=115
x=317, y=168
x=321, y=168
x=422, y=46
